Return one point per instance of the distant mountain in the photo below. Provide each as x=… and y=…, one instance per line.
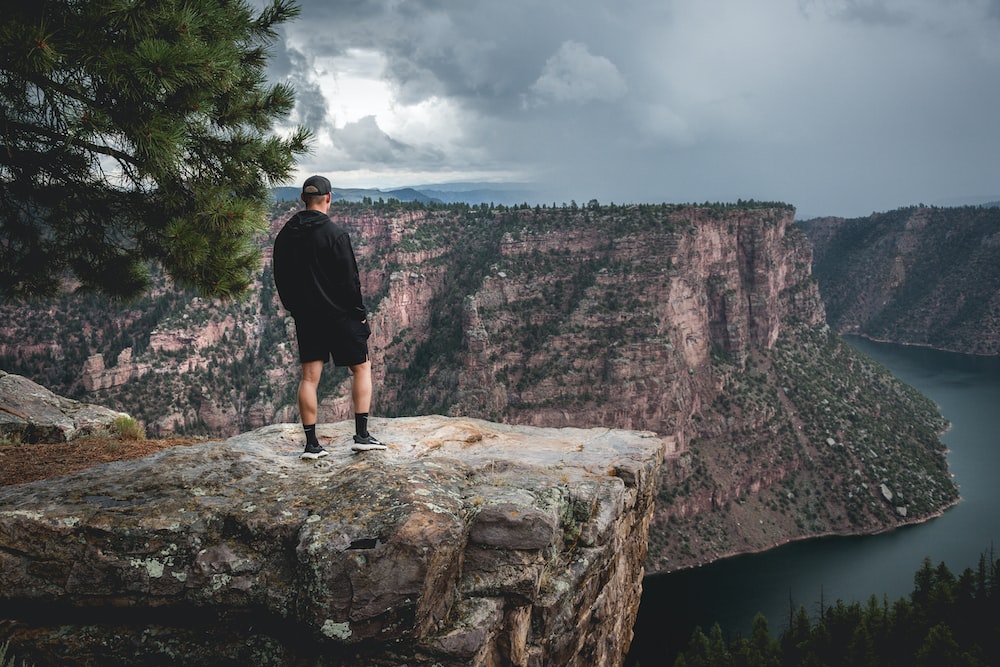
x=409, y=194
x=285, y=194
x=357, y=195
x=507, y=194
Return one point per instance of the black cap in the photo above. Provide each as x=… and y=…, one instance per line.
x=316, y=185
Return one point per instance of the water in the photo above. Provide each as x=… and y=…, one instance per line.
x=730, y=592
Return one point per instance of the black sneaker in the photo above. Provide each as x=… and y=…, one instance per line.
x=367, y=443
x=313, y=452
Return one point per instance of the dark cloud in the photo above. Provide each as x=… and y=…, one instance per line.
x=485, y=54
x=311, y=108
x=364, y=142
x=837, y=106
x=862, y=11
x=289, y=65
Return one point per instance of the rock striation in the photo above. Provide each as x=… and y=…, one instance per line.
x=466, y=543
x=95, y=376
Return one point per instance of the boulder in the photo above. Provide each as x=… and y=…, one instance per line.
x=31, y=413
x=466, y=543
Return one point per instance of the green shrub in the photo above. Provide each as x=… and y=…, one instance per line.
x=127, y=428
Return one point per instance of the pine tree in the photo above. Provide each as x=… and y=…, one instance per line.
x=133, y=132
x=761, y=650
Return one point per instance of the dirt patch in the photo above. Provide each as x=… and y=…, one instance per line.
x=29, y=462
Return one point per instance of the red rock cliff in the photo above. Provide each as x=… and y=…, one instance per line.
x=702, y=324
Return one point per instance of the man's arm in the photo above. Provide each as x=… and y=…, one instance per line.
x=354, y=300
x=281, y=268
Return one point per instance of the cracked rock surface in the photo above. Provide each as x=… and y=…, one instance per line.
x=466, y=543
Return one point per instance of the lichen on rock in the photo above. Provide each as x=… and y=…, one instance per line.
x=467, y=542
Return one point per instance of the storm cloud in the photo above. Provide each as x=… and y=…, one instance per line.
x=839, y=107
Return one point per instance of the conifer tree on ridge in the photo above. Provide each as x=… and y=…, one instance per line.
x=135, y=133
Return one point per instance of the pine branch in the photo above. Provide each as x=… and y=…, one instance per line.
x=60, y=139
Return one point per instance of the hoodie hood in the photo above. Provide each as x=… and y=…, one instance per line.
x=305, y=221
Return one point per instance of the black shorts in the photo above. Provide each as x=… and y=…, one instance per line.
x=345, y=340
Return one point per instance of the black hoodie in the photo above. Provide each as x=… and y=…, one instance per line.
x=315, y=270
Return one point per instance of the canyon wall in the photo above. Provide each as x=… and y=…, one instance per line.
x=919, y=276
x=700, y=323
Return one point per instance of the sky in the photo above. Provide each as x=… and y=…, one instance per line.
x=838, y=107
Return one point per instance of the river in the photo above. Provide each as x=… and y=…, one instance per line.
x=731, y=591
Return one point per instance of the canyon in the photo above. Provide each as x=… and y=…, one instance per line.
x=919, y=275
x=702, y=324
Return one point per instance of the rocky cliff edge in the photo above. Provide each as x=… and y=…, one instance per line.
x=466, y=543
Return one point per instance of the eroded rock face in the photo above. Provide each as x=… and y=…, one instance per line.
x=702, y=323
x=917, y=275
x=467, y=543
x=31, y=413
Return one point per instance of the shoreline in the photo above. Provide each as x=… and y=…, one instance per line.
x=817, y=536
x=801, y=538
x=925, y=346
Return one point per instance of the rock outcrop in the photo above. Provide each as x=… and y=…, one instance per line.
x=466, y=543
x=31, y=413
x=95, y=376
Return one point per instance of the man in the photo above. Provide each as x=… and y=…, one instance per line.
x=317, y=279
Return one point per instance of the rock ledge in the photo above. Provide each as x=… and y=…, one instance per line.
x=467, y=543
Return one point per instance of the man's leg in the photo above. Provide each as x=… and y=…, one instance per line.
x=361, y=394
x=361, y=387
x=308, y=386
x=309, y=407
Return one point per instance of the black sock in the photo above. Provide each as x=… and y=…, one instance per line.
x=310, y=434
x=361, y=424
